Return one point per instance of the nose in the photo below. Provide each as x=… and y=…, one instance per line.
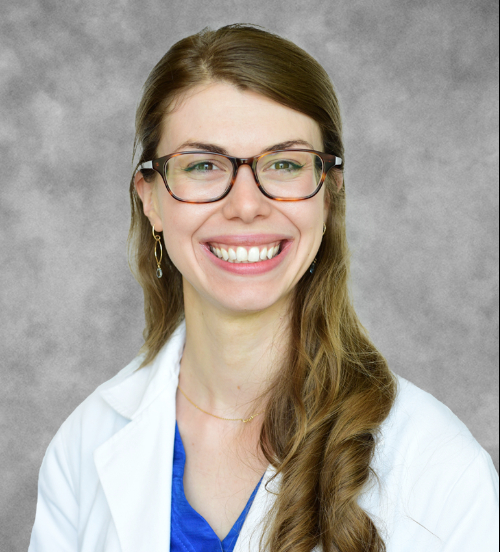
x=245, y=201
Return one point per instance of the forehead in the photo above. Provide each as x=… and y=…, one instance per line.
x=242, y=122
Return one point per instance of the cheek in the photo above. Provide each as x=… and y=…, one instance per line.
x=175, y=233
x=307, y=215
x=180, y=224
x=174, y=248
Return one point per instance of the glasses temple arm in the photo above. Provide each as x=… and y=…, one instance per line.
x=330, y=164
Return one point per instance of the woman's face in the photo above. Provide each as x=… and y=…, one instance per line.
x=243, y=124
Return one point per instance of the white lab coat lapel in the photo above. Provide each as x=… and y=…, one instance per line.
x=254, y=525
x=135, y=465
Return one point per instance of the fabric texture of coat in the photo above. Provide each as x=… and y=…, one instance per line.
x=105, y=481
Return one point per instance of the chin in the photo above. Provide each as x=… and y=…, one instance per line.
x=252, y=304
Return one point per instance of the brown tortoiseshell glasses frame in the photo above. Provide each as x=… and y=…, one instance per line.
x=159, y=165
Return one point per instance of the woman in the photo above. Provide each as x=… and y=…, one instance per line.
x=259, y=416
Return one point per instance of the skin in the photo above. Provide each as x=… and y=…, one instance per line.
x=236, y=325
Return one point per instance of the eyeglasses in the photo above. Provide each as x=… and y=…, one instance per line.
x=205, y=177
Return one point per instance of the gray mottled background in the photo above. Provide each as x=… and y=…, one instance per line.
x=418, y=85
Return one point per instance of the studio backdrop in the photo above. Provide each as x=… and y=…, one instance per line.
x=418, y=85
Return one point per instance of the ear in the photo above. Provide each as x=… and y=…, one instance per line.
x=338, y=182
x=338, y=179
x=147, y=192
x=326, y=206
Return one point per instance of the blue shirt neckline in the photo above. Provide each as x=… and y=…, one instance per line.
x=190, y=530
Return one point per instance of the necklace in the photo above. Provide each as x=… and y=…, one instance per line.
x=245, y=421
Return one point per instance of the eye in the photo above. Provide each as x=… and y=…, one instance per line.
x=202, y=166
x=284, y=165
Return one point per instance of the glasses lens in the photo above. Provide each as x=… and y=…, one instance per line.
x=290, y=174
x=198, y=176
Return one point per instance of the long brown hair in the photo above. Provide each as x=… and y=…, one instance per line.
x=335, y=388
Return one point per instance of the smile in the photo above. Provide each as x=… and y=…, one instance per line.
x=245, y=254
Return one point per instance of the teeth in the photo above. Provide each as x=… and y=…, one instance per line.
x=253, y=255
x=273, y=251
x=243, y=255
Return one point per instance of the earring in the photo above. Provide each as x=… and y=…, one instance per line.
x=159, y=271
x=312, y=268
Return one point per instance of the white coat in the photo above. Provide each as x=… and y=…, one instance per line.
x=105, y=481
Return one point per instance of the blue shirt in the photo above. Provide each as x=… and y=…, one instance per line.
x=190, y=532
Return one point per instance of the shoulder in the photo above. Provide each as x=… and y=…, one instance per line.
x=121, y=399
x=431, y=472
x=94, y=420
x=68, y=472
x=421, y=433
x=419, y=425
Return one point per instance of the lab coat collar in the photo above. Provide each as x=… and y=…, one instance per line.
x=255, y=522
x=135, y=464
x=134, y=389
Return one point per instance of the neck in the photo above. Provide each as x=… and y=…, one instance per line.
x=230, y=360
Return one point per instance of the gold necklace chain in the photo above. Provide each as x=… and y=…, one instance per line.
x=245, y=421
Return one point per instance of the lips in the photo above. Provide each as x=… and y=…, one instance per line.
x=249, y=254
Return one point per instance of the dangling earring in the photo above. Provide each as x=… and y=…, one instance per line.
x=312, y=268
x=159, y=271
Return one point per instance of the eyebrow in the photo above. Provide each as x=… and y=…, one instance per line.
x=217, y=149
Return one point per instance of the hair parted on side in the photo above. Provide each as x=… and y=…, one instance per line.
x=335, y=389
